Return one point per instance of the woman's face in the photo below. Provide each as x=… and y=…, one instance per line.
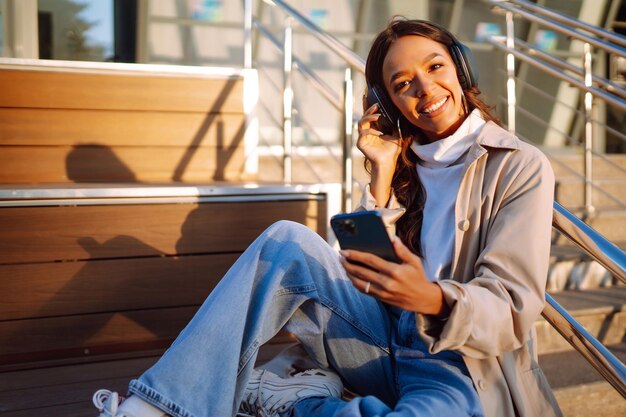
x=421, y=80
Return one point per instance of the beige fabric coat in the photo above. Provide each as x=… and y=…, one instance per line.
x=503, y=218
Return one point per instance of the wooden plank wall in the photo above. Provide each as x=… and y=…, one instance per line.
x=87, y=280
x=60, y=127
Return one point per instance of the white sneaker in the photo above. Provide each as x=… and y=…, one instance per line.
x=107, y=403
x=267, y=394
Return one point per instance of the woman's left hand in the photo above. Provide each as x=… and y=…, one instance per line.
x=401, y=285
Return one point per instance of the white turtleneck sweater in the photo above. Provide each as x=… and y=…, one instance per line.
x=440, y=169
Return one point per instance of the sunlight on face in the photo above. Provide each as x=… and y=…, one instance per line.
x=421, y=80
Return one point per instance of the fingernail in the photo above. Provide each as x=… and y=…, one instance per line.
x=343, y=253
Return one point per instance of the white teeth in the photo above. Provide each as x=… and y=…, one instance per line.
x=435, y=106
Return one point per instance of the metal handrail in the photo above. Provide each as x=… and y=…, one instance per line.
x=600, y=81
x=614, y=260
x=575, y=29
x=619, y=135
x=320, y=85
x=559, y=27
x=597, y=246
x=500, y=43
x=352, y=59
x=598, y=356
x=327, y=39
x=568, y=21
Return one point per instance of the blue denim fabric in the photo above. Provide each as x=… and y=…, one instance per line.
x=430, y=385
x=290, y=278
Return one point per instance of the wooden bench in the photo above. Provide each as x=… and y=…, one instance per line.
x=121, y=207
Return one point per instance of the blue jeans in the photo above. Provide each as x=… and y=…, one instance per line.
x=291, y=278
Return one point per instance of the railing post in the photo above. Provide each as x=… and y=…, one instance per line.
x=348, y=111
x=287, y=100
x=510, y=72
x=589, y=208
x=247, y=34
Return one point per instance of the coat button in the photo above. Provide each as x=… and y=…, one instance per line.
x=481, y=384
x=464, y=225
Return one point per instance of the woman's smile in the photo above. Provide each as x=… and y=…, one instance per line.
x=431, y=109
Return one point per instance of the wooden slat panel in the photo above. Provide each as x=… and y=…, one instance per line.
x=44, y=290
x=66, y=391
x=43, y=89
x=119, y=128
x=78, y=409
x=93, y=333
x=59, y=376
x=42, y=164
x=68, y=400
x=39, y=234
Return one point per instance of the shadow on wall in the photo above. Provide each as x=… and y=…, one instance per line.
x=128, y=291
x=96, y=163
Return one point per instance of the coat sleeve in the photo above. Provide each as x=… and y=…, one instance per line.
x=494, y=311
x=390, y=214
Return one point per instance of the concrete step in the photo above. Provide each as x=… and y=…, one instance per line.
x=579, y=389
x=602, y=311
x=609, y=223
x=572, y=269
x=570, y=164
x=597, y=399
x=611, y=195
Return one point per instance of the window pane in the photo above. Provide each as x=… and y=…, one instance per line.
x=1, y=28
x=79, y=30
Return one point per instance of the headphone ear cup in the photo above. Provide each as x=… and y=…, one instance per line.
x=464, y=61
x=376, y=94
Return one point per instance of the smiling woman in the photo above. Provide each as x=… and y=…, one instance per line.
x=446, y=331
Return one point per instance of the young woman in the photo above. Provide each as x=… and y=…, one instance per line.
x=447, y=332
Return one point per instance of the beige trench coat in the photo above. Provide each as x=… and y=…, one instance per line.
x=503, y=218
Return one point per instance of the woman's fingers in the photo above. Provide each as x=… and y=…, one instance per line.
x=359, y=281
x=366, y=122
x=366, y=259
x=363, y=278
x=371, y=109
x=371, y=131
x=367, y=266
x=405, y=253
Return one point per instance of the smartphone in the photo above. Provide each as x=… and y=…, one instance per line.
x=364, y=231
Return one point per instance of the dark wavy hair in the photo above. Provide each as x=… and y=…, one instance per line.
x=405, y=183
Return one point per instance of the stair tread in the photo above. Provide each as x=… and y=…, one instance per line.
x=590, y=300
x=566, y=369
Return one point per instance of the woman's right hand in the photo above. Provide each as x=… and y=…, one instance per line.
x=382, y=151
